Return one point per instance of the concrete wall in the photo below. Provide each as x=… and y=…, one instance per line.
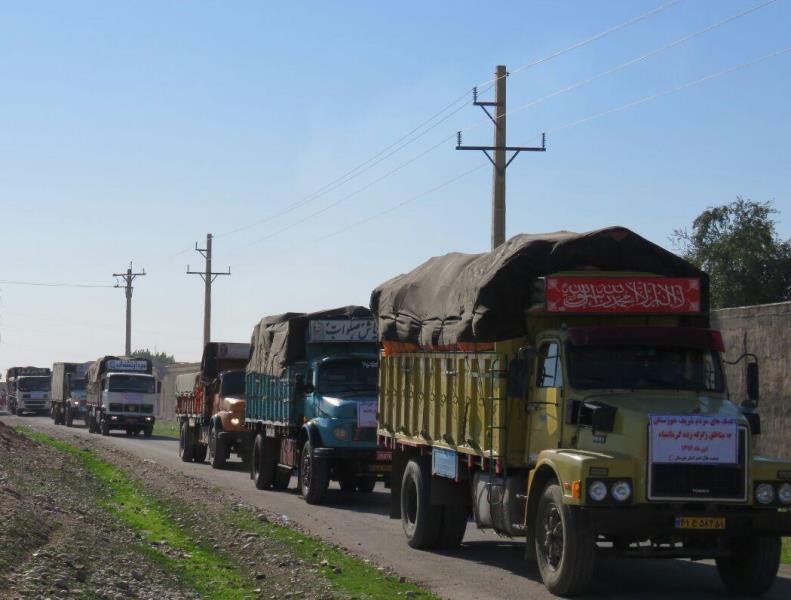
x=764, y=330
x=166, y=406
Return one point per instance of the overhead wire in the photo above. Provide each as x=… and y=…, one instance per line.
x=51, y=284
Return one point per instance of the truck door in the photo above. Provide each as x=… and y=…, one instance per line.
x=545, y=401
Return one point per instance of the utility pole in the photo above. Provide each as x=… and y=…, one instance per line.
x=208, y=278
x=128, y=278
x=500, y=162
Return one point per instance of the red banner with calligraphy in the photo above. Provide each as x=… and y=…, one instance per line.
x=571, y=294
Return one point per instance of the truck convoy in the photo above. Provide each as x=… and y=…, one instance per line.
x=28, y=390
x=312, y=400
x=69, y=381
x=121, y=394
x=210, y=406
x=568, y=388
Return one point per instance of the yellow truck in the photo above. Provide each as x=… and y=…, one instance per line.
x=568, y=388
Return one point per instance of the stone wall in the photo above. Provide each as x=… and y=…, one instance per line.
x=764, y=330
x=166, y=406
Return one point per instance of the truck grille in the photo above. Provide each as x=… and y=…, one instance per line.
x=701, y=482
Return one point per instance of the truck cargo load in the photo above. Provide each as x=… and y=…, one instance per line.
x=311, y=401
x=568, y=388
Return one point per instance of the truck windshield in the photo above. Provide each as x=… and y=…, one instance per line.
x=348, y=377
x=233, y=383
x=34, y=384
x=644, y=367
x=131, y=383
x=78, y=385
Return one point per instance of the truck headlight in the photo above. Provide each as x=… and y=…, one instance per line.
x=765, y=493
x=784, y=493
x=234, y=420
x=597, y=491
x=340, y=433
x=621, y=491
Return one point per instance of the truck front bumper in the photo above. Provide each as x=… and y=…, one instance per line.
x=654, y=522
x=376, y=460
x=130, y=420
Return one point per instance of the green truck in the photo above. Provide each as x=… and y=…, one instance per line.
x=568, y=388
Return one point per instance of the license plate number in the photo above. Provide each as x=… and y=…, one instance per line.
x=384, y=455
x=131, y=420
x=700, y=522
x=379, y=468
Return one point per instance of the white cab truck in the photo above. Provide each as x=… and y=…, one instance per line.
x=28, y=390
x=121, y=394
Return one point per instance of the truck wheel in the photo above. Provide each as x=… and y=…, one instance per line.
x=186, y=449
x=348, y=485
x=92, y=427
x=565, y=545
x=18, y=412
x=69, y=417
x=217, y=451
x=454, y=525
x=420, y=519
x=366, y=485
x=313, y=476
x=148, y=431
x=199, y=452
x=282, y=478
x=261, y=467
x=752, y=566
x=105, y=427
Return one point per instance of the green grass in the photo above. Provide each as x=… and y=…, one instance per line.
x=353, y=575
x=786, y=557
x=200, y=568
x=166, y=428
x=207, y=572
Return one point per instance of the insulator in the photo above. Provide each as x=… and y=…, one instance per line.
x=475, y=94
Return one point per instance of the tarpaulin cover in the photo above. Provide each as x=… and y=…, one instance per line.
x=280, y=340
x=185, y=383
x=222, y=356
x=484, y=297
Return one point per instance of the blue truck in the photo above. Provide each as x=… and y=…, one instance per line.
x=311, y=388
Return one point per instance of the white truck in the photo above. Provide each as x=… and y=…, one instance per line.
x=121, y=394
x=28, y=390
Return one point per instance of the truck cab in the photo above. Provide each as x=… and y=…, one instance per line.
x=32, y=394
x=121, y=394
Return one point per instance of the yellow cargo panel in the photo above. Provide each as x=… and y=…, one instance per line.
x=455, y=400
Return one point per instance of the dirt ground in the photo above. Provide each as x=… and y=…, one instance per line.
x=56, y=543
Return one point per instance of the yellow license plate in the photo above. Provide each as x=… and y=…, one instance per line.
x=380, y=468
x=700, y=522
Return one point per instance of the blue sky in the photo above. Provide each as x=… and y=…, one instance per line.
x=130, y=130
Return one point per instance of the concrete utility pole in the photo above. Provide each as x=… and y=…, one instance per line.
x=500, y=162
x=128, y=278
x=208, y=278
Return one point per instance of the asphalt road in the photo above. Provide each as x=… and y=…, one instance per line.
x=486, y=566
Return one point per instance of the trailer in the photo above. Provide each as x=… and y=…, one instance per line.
x=311, y=402
x=210, y=406
x=121, y=394
x=28, y=390
x=69, y=393
x=567, y=388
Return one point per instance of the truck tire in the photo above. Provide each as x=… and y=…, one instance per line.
x=348, y=485
x=454, y=525
x=218, y=454
x=92, y=424
x=282, y=478
x=186, y=449
x=105, y=427
x=199, y=451
x=18, y=412
x=69, y=417
x=313, y=476
x=262, y=469
x=565, y=544
x=366, y=485
x=148, y=431
x=420, y=519
x=752, y=567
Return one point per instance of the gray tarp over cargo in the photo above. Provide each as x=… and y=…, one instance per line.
x=483, y=297
x=279, y=340
x=185, y=383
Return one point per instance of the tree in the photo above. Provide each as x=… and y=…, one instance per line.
x=738, y=246
x=159, y=359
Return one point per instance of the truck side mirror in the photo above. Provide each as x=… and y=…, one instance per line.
x=753, y=385
x=526, y=353
x=308, y=388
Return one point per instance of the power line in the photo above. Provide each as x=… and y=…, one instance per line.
x=50, y=284
x=641, y=58
x=589, y=40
